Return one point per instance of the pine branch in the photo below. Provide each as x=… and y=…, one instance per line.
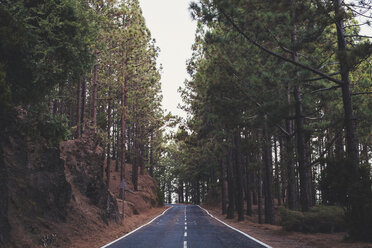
x=261, y=47
x=361, y=93
x=329, y=146
x=322, y=89
x=320, y=78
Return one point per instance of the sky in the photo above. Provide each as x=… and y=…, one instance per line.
x=170, y=23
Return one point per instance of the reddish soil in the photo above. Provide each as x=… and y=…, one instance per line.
x=84, y=225
x=100, y=235
x=140, y=208
x=276, y=237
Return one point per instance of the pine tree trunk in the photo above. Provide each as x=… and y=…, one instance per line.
x=95, y=89
x=365, y=154
x=255, y=190
x=292, y=198
x=223, y=186
x=305, y=194
x=108, y=166
x=186, y=192
x=350, y=120
x=355, y=205
x=259, y=198
x=123, y=123
x=283, y=170
x=118, y=147
x=239, y=176
x=78, y=112
x=339, y=147
x=269, y=218
x=277, y=181
x=248, y=195
x=83, y=104
x=142, y=150
x=151, y=154
x=230, y=186
x=197, y=187
x=169, y=193
x=135, y=160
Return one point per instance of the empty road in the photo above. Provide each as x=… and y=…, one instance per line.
x=185, y=226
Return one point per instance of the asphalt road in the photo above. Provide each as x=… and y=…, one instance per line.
x=185, y=226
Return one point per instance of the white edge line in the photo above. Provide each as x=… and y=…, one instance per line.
x=248, y=236
x=136, y=229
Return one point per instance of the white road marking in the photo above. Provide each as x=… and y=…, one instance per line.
x=185, y=235
x=136, y=229
x=184, y=244
x=250, y=237
x=185, y=223
x=185, y=227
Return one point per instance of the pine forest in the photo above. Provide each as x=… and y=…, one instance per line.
x=277, y=130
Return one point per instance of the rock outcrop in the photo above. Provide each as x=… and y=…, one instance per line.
x=84, y=162
x=38, y=182
x=33, y=179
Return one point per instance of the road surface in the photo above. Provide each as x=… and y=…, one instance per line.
x=185, y=226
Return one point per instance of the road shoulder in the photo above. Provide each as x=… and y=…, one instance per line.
x=276, y=237
x=114, y=231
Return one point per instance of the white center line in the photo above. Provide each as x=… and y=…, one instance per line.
x=185, y=223
x=185, y=227
x=184, y=244
x=185, y=234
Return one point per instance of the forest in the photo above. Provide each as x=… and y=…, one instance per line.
x=68, y=67
x=85, y=64
x=279, y=110
x=278, y=101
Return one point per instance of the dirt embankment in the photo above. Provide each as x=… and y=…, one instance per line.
x=57, y=197
x=276, y=237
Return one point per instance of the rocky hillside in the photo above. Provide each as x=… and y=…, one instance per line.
x=50, y=195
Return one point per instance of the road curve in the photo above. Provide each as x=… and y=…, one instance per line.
x=186, y=226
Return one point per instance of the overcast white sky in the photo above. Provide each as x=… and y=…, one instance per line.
x=171, y=25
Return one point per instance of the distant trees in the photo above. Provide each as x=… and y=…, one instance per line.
x=265, y=103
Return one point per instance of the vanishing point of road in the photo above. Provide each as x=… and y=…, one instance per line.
x=186, y=226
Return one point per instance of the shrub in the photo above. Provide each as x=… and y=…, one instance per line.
x=324, y=219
